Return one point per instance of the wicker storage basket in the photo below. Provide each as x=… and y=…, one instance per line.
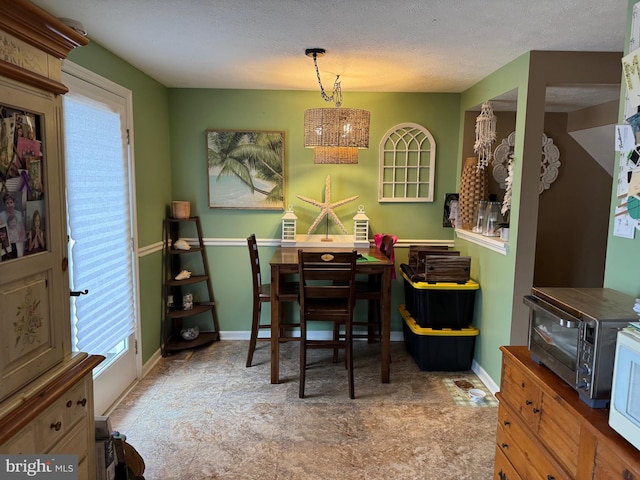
x=180, y=209
x=474, y=186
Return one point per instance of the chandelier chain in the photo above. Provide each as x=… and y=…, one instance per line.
x=336, y=95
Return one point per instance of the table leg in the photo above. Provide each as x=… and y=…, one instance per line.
x=385, y=312
x=275, y=327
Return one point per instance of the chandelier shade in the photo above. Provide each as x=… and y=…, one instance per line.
x=338, y=155
x=336, y=127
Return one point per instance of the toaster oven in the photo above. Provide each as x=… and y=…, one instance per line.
x=572, y=331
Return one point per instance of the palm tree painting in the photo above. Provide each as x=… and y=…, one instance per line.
x=245, y=169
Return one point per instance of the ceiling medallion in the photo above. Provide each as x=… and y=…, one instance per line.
x=503, y=160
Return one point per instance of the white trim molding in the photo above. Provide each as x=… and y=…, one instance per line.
x=492, y=243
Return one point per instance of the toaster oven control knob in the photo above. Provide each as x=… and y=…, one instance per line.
x=584, y=369
x=583, y=384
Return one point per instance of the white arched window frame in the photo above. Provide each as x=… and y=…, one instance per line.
x=407, y=164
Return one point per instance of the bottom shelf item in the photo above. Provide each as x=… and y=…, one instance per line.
x=444, y=349
x=177, y=343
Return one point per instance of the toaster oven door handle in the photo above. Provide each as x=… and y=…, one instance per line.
x=562, y=318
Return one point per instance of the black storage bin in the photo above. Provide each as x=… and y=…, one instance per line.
x=445, y=350
x=440, y=305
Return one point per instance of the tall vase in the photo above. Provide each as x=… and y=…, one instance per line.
x=474, y=187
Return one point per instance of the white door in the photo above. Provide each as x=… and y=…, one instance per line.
x=102, y=235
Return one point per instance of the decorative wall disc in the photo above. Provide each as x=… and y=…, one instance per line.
x=503, y=158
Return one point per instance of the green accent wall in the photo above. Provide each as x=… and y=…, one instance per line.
x=193, y=111
x=493, y=271
x=623, y=255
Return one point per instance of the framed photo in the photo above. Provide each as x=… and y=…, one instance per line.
x=245, y=169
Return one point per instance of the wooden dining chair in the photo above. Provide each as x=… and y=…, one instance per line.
x=369, y=290
x=262, y=294
x=327, y=294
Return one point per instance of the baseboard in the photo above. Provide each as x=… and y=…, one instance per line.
x=484, y=377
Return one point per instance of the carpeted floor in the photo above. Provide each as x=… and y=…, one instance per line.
x=203, y=415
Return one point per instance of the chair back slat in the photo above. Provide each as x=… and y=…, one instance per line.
x=326, y=274
x=255, y=262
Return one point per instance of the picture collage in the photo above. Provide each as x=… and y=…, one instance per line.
x=22, y=210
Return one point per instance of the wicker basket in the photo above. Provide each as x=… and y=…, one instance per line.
x=180, y=209
x=474, y=186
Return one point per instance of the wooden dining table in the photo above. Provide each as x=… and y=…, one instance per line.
x=285, y=261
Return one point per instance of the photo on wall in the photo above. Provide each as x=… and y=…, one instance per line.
x=245, y=169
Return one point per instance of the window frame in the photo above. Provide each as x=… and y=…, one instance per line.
x=407, y=133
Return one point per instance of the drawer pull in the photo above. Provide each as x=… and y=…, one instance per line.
x=82, y=402
x=536, y=410
x=69, y=404
x=56, y=426
x=505, y=445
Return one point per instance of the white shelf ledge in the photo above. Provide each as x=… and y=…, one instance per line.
x=492, y=243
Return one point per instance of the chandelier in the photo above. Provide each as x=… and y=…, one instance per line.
x=337, y=133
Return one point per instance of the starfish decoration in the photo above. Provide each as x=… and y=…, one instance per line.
x=326, y=207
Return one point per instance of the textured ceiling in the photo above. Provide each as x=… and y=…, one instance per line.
x=374, y=45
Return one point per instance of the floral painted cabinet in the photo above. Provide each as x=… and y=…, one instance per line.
x=35, y=332
x=34, y=292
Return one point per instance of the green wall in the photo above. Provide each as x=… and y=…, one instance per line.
x=493, y=271
x=152, y=171
x=192, y=111
x=623, y=255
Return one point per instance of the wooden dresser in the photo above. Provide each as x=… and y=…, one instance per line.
x=546, y=432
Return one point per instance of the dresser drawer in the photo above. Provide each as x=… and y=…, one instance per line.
x=23, y=442
x=529, y=458
x=511, y=441
x=51, y=425
x=74, y=443
x=608, y=466
x=560, y=432
x=76, y=402
x=503, y=470
x=522, y=394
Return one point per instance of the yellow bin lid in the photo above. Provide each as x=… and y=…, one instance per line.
x=471, y=331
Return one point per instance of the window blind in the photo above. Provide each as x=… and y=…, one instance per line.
x=99, y=225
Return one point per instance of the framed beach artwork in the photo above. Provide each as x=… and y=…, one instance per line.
x=245, y=169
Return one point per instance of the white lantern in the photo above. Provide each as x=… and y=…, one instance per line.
x=289, y=227
x=361, y=227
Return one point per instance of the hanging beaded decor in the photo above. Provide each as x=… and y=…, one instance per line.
x=485, y=134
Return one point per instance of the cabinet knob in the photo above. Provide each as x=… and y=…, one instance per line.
x=528, y=402
x=536, y=410
x=506, y=423
x=69, y=403
x=82, y=402
x=551, y=477
x=502, y=475
x=56, y=426
x=505, y=445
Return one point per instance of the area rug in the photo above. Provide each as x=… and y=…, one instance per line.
x=461, y=397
